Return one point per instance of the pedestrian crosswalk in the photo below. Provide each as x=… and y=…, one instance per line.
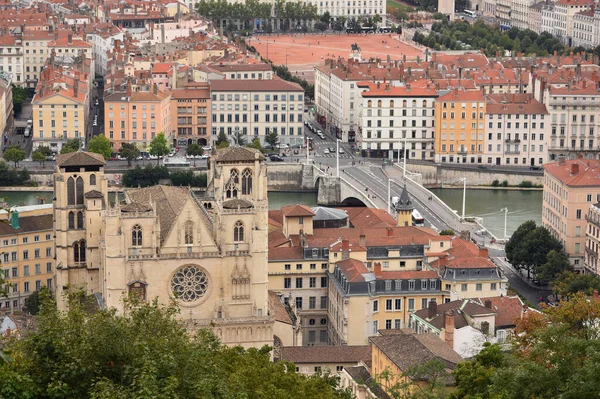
x=330, y=155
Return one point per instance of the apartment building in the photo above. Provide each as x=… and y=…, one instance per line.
x=586, y=28
x=520, y=13
x=337, y=96
x=6, y=102
x=565, y=11
x=517, y=130
x=245, y=71
x=102, y=37
x=190, y=115
x=570, y=188
x=61, y=103
x=358, y=10
x=136, y=117
x=27, y=250
x=549, y=22
x=74, y=47
x=535, y=17
x=253, y=108
x=592, y=244
x=574, y=121
x=397, y=117
x=459, y=127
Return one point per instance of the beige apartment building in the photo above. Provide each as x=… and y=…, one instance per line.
x=570, y=188
x=592, y=244
x=253, y=108
x=137, y=117
x=190, y=115
x=27, y=253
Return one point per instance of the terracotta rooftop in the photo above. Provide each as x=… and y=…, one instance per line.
x=277, y=309
x=462, y=96
x=241, y=67
x=297, y=211
x=94, y=194
x=407, y=90
x=80, y=158
x=28, y=224
x=326, y=354
x=461, y=307
x=514, y=104
x=508, y=309
x=575, y=173
x=273, y=85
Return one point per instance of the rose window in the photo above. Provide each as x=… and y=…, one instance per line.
x=189, y=283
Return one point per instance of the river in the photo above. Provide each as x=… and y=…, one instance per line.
x=486, y=204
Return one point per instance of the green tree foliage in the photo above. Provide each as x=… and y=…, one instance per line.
x=100, y=145
x=222, y=140
x=474, y=378
x=130, y=152
x=569, y=283
x=449, y=36
x=144, y=177
x=188, y=178
x=447, y=232
x=529, y=247
x=38, y=156
x=355, y=25
x=272, y=138
x=556, y=263
x=159, y=146
x=403, y=386
x=71, y=145
x=19, y=95
x=325, y=18
x=321, y=26
x=33, y=301
x=12, y=177
x=339, y=24
x=145, y=354
x=195, y=150
x=45, y=150
x=14, y=154
x=256, y=144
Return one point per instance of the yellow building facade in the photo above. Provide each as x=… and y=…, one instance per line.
x=27, y=253
x=460, y=127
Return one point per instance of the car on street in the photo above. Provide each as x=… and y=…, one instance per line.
x=96, y=103
x=326, y=151
x=275, y=158
x=283, y=146
x=482, y=167
x=341, y=151
x=332, y=150
x=536, y=167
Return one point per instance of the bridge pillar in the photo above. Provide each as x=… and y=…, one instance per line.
x=329, y=191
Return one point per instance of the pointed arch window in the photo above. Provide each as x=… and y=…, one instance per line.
x=136, y=236
x=92, y=180
x=80, y=220
x=71, y=191
x=231, y=191
x=189, y=232
x=79, y=190
x=235, y=176
x=247, y=182
x=238, y=231
x=71, y=220
x=79, y=251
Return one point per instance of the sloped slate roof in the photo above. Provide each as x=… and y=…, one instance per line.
x=80, y=158
x=237, y=203
x=232, y=154
x=323, y=213
x=94, y=194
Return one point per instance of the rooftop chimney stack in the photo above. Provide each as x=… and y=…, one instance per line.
x=449, y=328
x=432, y=310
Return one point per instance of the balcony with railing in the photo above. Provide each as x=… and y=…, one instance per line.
x=462, y=151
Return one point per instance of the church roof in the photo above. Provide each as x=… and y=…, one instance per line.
x=404, y=203
x=136, y=207
x=237, y=203
x=323, y=213
x=233, y=154
x=80, y=158
x=297, y=210
x=170, y=202
x=94, y=194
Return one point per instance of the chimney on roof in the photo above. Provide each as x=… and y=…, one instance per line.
x=128, y=90
x=561, y=160
x=377, y=269
x=76, y=87
x=378, y=84
x=390, y=232
x=442, y=260
x=432, y=310
x=574, y=168
x=55, y=35
x=488, y=304
x=362, y=240
x=155, y=89
x=345, y=249
x=483, y=252
x=449, y=328
x=70, y=38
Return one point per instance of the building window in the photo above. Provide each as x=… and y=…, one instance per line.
x=398, y=324
x=312, y=302
x=80, y=220
x=136, y=236
x=411, y=304
x=299, y=282
x=312, y=282
x=287, y=282
x=323, y=302
x=92, y=180
x=79, y=251
x=287, y=266
x=298, y=302
x=189, y=232
x=398, y=304
x=478, y=286
x=247, y=182
x=388, y=304
x=388, y=324
x=375, y=305
x=375, y=326
x=463, y=287
x=189, y=283
x=493, y=286
x=138, y=289
x=238, y=231
x=79, y=190
x=71, y=220
x=71, y=191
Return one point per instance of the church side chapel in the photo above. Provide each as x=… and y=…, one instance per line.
x=208, y=251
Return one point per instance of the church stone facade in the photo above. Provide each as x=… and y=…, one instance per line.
x=208, y=252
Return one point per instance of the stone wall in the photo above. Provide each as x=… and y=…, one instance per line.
x=435, y=175
x=290, y=177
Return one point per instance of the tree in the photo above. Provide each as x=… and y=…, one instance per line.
x=321, y=26
x=222, y=140
x=376, y=19
x=130, y=152
x=474, y=378
x=406, y=385
x=100, y=145
x=354, y=25
x=256, y=144
x=568, y=283
x=12, y=177
x=325, y=18
x=71, y=145
x=147, y=353
x=529, y=246
x=45, y=150
x=39, y=156
x=19, y=95
x=33, y=301
x=339, y=24
x=195, y=150
x=159, y=146
x=556, y=263
x=14, y=154
x=272, y=138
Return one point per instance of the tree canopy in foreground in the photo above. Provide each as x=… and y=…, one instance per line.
x=146, y=354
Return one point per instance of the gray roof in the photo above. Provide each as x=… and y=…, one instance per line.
x=234, y=154
x=323, y=213
x=404, y=203
x=80, y=158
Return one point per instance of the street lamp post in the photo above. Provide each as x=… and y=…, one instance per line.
x=505, y=210
x=405, y=152
x=307, y=150
x=464, y=180
x=389, y=195
x=337, y=157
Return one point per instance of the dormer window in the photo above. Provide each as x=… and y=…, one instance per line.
x=315, y=252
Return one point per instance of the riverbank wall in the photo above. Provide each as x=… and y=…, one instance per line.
x=435, y=175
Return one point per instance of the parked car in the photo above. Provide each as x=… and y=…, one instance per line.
x=283, y=146
x=332, y=150
x=96, y=103
x=536, y=167
x=275, y=158
x=326, y=151
x=482, y=167
x=341, y=151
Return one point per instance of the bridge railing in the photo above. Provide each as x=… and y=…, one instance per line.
x=363, y=197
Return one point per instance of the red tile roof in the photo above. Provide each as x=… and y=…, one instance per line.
x=508, y=309
x=410, y=90
x=297, y=211
x=462, y=96
x=587, y=172
x=285, y=253
x=464, y=255
x=514, y=104
x=353, y=270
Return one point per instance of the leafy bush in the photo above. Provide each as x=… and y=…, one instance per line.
x=495, y=183
x=12, y=177
x=144, y=177
x=188, y=178
x=526, y=184
x=505, y=183
x=447, y=232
